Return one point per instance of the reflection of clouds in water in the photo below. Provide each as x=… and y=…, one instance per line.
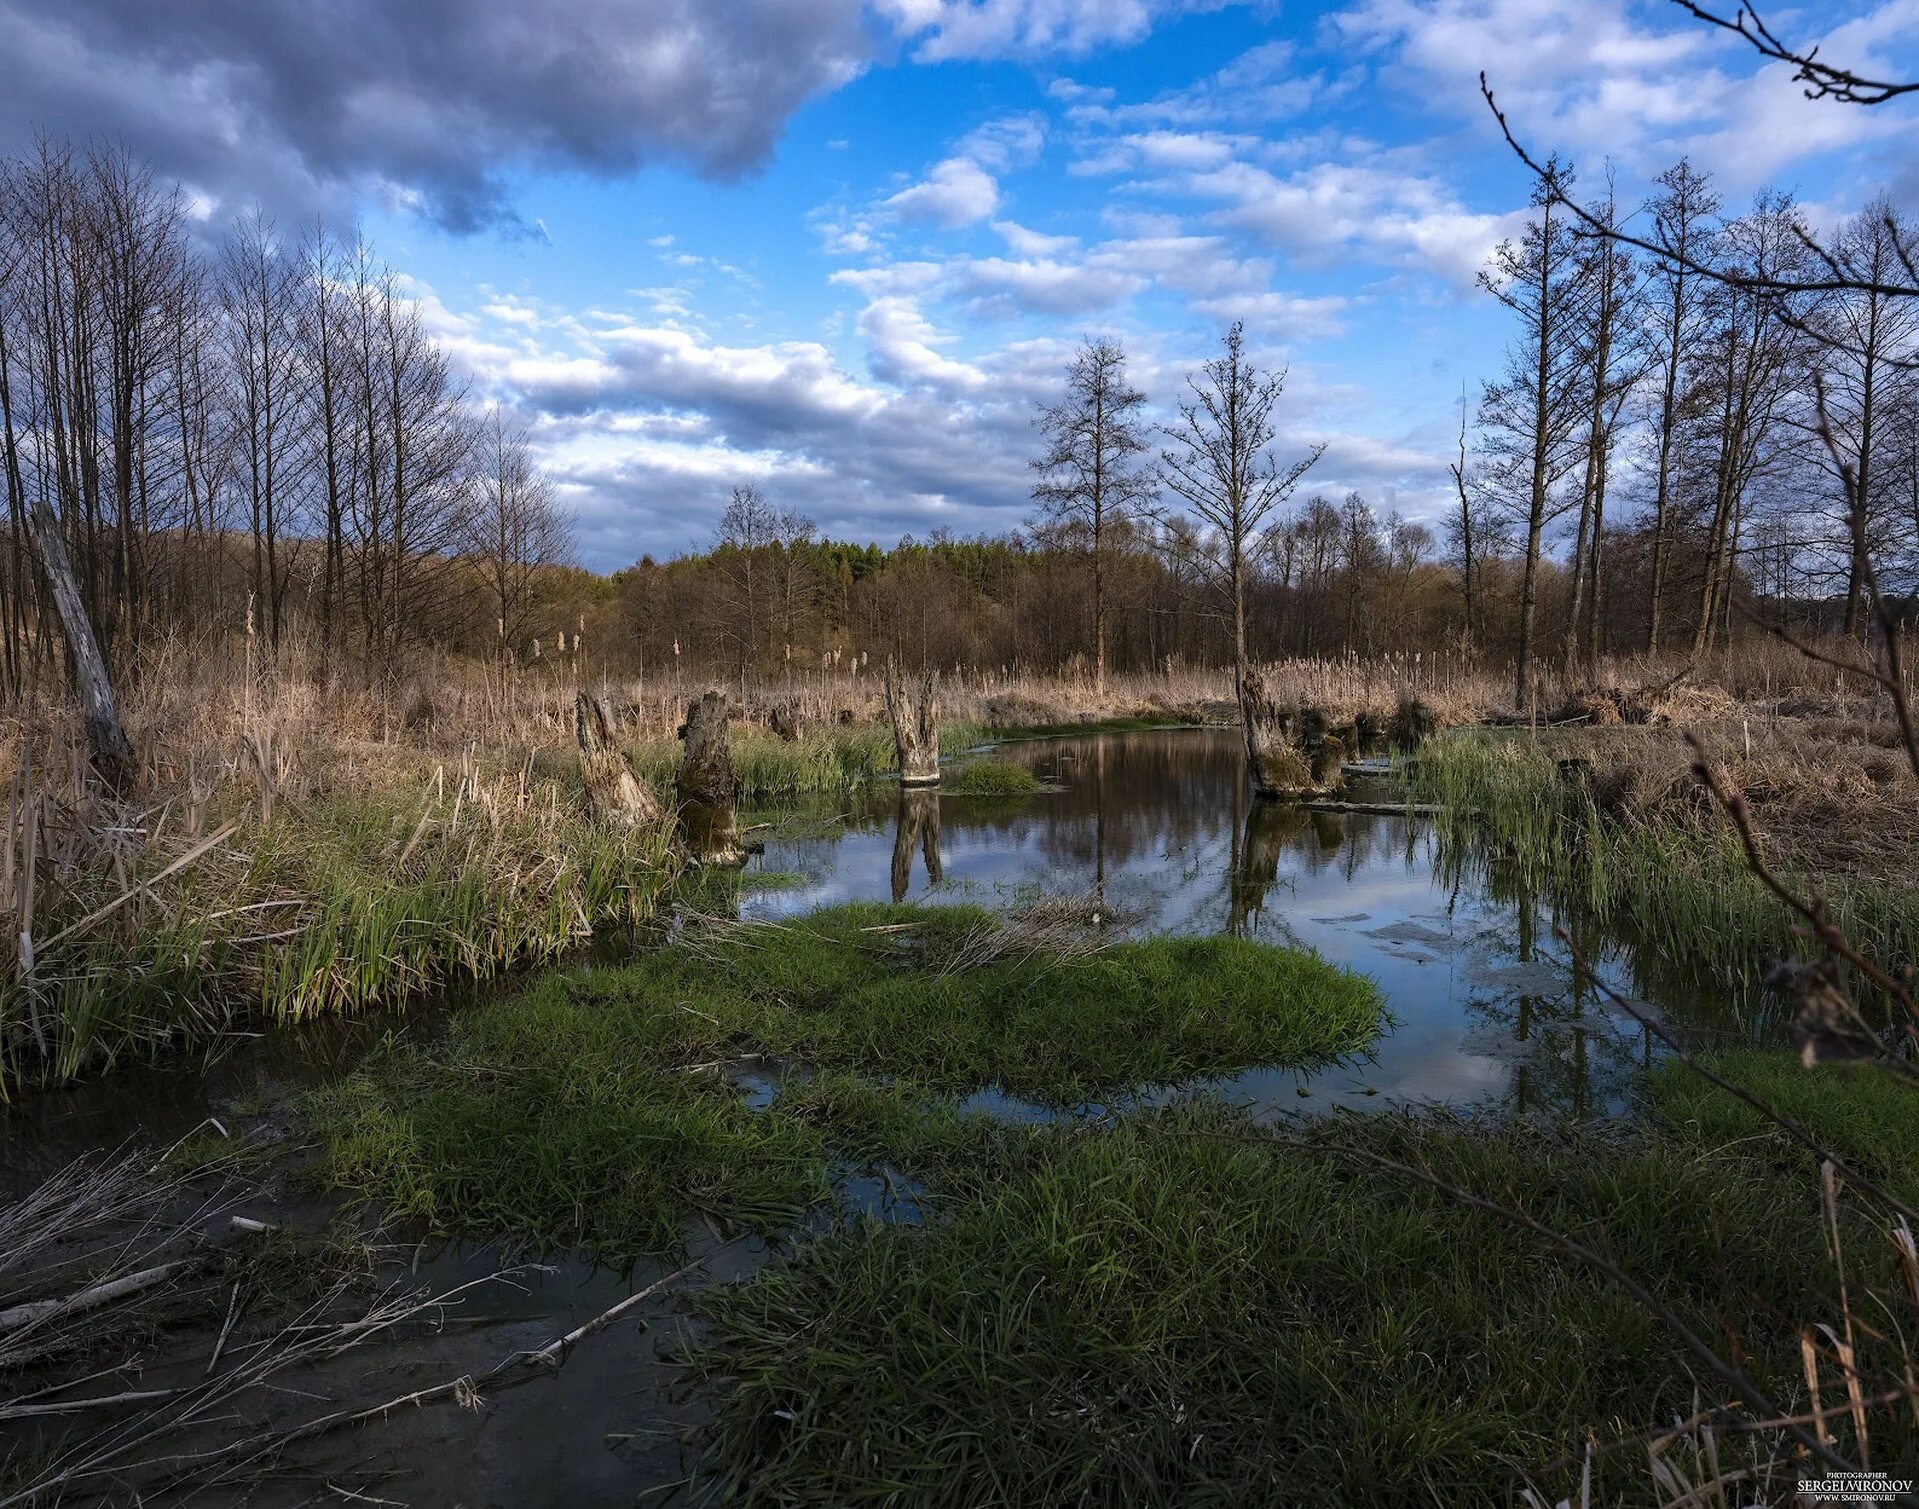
x=1482, y=1001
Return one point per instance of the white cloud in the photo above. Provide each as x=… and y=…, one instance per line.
x=957, y=192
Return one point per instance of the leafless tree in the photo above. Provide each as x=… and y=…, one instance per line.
x=515, y=532
x=1090, y=480
x=1529, y=416
x=1219, y=463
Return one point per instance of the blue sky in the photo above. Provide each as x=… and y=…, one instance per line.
x=840, y=248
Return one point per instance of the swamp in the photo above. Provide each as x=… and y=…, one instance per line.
x=1081, y=1128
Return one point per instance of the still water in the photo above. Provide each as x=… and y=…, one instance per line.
x=1488, y=1009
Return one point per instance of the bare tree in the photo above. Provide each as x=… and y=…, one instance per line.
x=1089, y=477
x=1219, y=464
x=1683, y=215
x=1529, y=415
x=515, y=531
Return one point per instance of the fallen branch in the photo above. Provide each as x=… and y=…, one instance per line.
x=20, y=1316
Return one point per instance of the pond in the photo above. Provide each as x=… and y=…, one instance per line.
x=1488, y=1010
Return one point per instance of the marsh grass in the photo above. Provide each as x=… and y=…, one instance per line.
x=596, y=1109
x=1166, y=1311
x=1670, y=873
x=362, y=895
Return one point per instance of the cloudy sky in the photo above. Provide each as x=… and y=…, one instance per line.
x=841, y=247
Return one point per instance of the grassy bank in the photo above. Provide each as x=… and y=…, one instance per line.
x=1628, y=834
x=597, y=1109
x=371, y=881
x=1177, y=1310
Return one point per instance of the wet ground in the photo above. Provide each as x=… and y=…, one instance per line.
x=1487, y=1011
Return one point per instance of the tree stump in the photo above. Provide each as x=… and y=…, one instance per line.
x=708, y=789
x=1289, y=752
x=916, y=725
x=614, y=790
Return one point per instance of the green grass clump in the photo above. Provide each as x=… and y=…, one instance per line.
x=1869, y=1117
x=348, y=902
x=593, y=1109
x=821, y=762
x=1167, y=1311
x=991, y=778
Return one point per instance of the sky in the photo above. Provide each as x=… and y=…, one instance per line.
x=842, y=249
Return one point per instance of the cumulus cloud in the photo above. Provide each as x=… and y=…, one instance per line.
x=427, y=105
x=957, y=192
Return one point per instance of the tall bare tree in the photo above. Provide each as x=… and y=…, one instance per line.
x=1090, y=480
x=1528, y=417
x=1219, y=463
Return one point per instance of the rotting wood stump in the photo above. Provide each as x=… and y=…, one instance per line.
x=1290, y=752
x=916, y=725
x=709, y=791
x=614, y=789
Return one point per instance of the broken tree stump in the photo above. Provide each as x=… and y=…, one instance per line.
x=709, y=791
x=614, y=789
x=1289, y=752
x=916, y=725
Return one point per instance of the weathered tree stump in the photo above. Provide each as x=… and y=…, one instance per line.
x=916, y=725
x=917, y=827
x=614, y=789
x=1289, y=752
x=709, y=790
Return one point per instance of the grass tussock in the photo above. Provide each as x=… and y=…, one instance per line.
x=1171, y=1311
x=597, y=1108
x=360, y=883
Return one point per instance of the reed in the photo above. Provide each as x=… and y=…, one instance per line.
x=1651, y=859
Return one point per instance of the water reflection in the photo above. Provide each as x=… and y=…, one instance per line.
x=1487, y=1005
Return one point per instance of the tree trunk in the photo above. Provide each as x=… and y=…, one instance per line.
x=916, y=727
x=614, y=790
x=1289, y=754
x=108, y=747
x=709, y=791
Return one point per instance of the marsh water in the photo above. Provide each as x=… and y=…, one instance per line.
x=1488, y=1009
x=1157, y=829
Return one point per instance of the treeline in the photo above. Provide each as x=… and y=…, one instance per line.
x=258, y=433
x=1713, y=388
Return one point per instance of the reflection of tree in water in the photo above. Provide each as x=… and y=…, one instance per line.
x=1575, y=1056
x=1466, y=859
x=917, y=826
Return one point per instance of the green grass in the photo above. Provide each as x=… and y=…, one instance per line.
x=1166, y=1312
x=824, y=761
x=1683, y=892
x=991, y=778
x=344, y=904
x=1867, y=1116
x=593, y=1110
